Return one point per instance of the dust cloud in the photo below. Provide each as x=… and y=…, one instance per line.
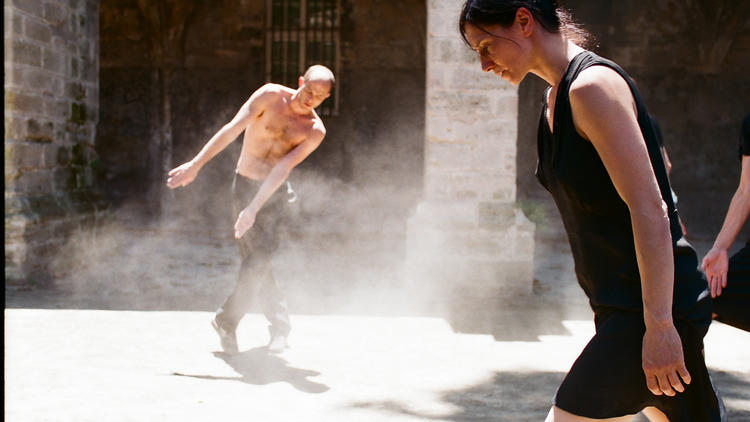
x=343, y=252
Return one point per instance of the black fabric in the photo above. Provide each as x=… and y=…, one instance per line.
x=657, y=131
x=732, y=307
x=607, y=379
x=745, y=137
x=257, y=247
x=596, y=219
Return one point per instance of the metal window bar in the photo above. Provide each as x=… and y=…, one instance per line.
x=300, y=33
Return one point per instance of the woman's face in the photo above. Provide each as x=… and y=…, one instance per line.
x=500, y=50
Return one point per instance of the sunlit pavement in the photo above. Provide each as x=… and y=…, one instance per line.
x=89, y=365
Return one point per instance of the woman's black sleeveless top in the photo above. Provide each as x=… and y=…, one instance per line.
x=596, y=219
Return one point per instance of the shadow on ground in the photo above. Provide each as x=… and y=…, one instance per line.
x=527, y=397
x=259, y=367
x=521, y=318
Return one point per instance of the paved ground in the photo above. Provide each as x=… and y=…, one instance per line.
x=93, y=365
x=128, y=339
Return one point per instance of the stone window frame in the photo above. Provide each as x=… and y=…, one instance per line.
x=300, y=33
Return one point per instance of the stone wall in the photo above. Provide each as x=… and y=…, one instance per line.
x=51, y=110
x=467, y=238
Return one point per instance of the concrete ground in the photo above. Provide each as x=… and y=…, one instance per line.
x=128, y=338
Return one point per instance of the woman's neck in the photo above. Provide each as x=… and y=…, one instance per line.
x=554, y=54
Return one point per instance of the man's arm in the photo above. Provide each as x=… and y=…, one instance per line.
x=276, y=178
x=253, y=107
x=604, y=112
x=716, y=261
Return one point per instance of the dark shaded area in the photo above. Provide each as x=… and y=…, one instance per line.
x=514, y=319
x=527, y=397
x=258, y=367
x=375, y=142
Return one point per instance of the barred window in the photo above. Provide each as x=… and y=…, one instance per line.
x=300, y=33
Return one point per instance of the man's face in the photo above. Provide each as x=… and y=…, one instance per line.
x=312, y=93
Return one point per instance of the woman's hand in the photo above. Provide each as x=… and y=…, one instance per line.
x=663, y=361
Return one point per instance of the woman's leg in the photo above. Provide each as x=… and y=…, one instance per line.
x=655, y=415
x=558, y=415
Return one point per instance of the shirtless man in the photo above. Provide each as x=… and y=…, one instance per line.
x=281, y=130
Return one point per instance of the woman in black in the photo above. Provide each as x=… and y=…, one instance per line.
x=600, y=160
x=729, y=278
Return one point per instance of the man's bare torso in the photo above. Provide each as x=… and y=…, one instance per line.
x=272, y=135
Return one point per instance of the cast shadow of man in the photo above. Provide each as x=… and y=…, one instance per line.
x=259, y=367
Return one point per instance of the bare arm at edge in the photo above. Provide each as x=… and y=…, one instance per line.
x=184, y=174
x=716, y=261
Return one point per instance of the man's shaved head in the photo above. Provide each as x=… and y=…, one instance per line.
x=319, y=72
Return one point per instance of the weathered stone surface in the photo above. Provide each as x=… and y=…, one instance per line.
x=37, y=31
x=33, y=7
x=25, y=52
x=469, y=159
x=41, y=185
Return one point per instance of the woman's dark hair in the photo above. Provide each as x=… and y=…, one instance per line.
x=548, y=13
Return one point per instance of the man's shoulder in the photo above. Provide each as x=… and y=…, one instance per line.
x=272, y=90
x=318, y=123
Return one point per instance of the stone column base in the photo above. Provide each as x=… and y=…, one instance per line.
x=469, y=249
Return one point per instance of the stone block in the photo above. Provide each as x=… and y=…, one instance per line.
x=73, y=72
x=34, y=182
x=15, y=255
x=62, y=156
x=507, y=105
x=51, y=153
x=443, y=25
x=471, y=184
x=55, y=13
x=64, y=179
x=449, y=155
x=57, y=109
x=53, y=61
x=451, y=102
x=13, y=22
x=14, y=127
x=39, y=131
x=471, y=76
x=14, y=76
x=32, y=7
x=38, y=32
x=23, y=103
x=450, y=51
x=435, y=77
x=500, y=155
x=25, y=52
x=445, y=7
x=84, y=49
x=497, y=216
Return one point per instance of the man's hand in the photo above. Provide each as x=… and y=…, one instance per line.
x=663, y=361
x=245, y=221
x=182, y=175
x=716, y=266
